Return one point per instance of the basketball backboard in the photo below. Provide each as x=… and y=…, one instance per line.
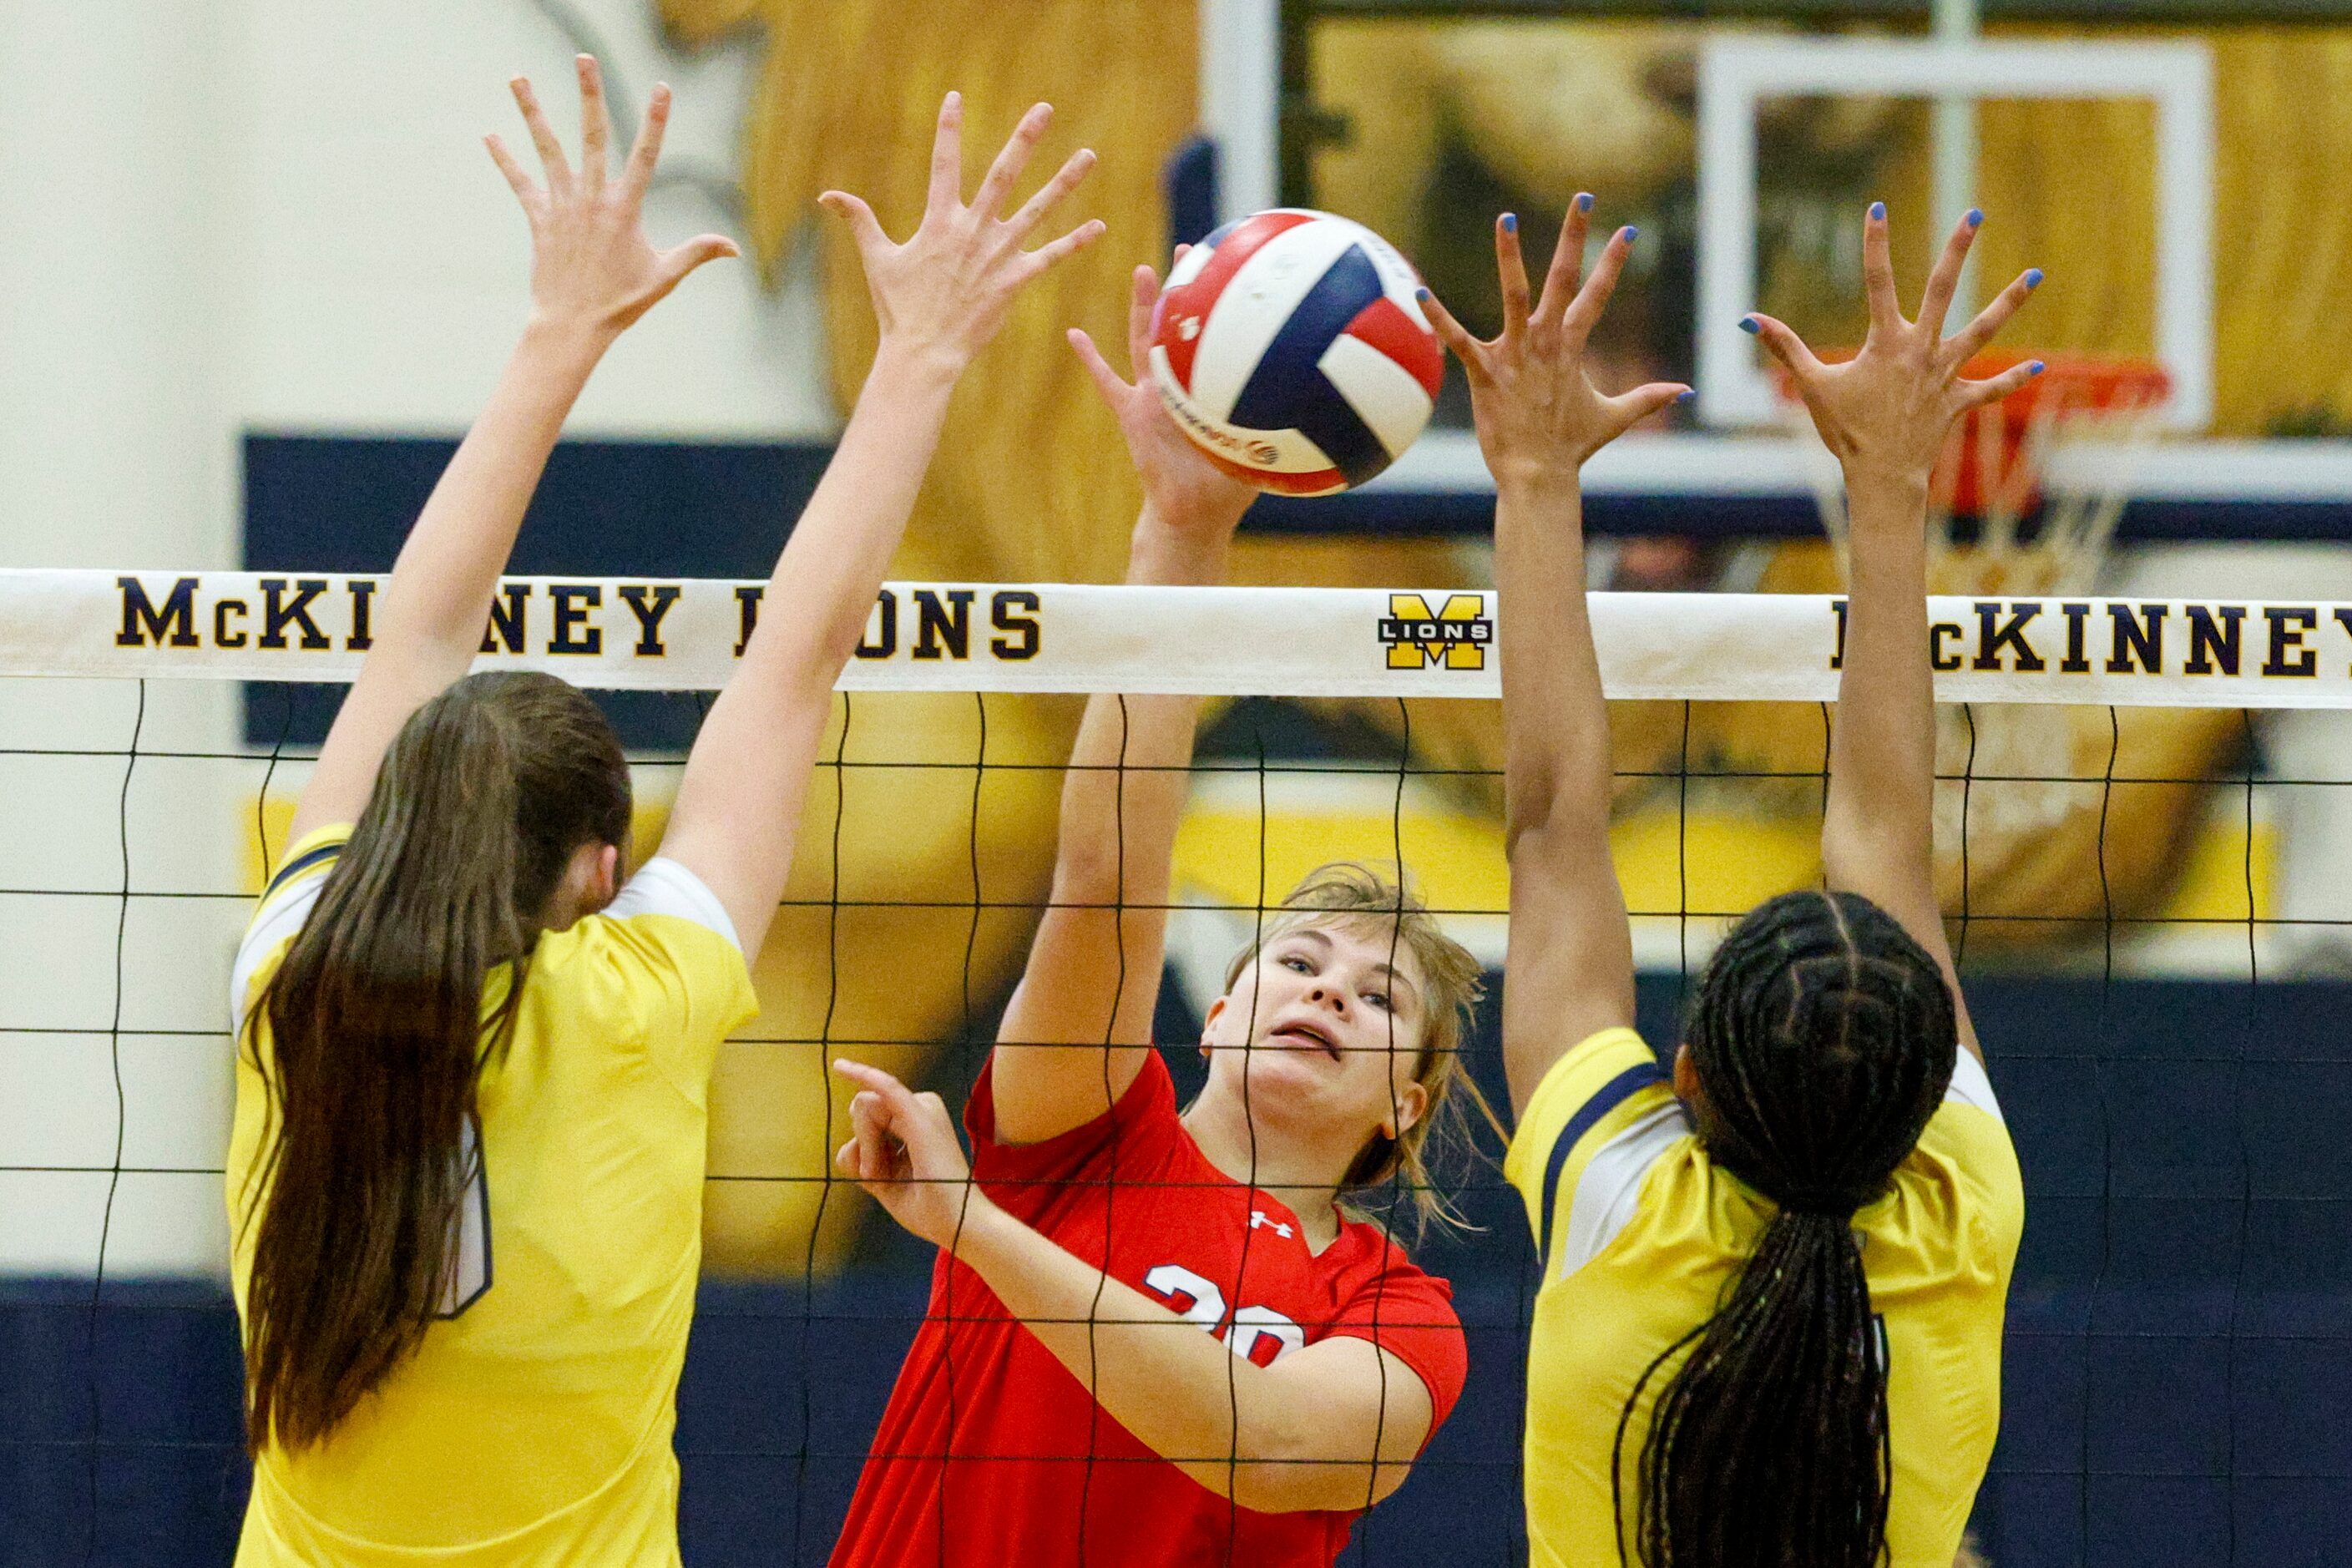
x=1746, y=147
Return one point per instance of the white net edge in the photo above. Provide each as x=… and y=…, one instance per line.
x=678, y=635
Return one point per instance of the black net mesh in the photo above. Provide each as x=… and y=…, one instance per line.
x=2166, y=1037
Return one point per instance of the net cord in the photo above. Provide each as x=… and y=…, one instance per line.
x=122, y=1126
x=1249, y=1123
x=825, y=1098
x=2106, y=1135
x=1110, y=1038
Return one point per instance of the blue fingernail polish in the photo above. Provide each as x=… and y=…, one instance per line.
x=1584, y=201
x=1421, y=293
x=1684, y=395
x=1976, y=216
x=2033, y=277
x=1749, y=325
x=1878, y=209
x=1632, y=234
x=1510, y=223
x=2038, y=367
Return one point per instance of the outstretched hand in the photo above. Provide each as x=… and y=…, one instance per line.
x=904, y=1152
x=1537, y=413
x=1885, y=412
x=945, y=291
x=1181, y=486
x=591, y=265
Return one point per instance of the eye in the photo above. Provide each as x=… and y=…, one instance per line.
x=1379, y=999
x=1294, y=964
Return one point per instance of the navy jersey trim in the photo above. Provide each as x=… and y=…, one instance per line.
x=1613, y=1094
x=301, y=863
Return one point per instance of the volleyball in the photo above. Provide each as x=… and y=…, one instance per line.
x=1290, y=347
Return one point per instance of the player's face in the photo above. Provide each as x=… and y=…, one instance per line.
x=1332, y=1017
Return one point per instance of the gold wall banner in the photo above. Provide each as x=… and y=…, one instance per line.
x=1064, y=638
x=1031, y=481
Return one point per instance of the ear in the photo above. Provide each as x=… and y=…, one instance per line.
x=1410, y=1106
x=1208, y=1022
x=1686, y=1075
x=607, y=885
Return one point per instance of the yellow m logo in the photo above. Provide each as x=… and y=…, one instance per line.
x=1455, y=637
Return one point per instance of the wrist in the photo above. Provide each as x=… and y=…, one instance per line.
x=1163, y=551
x=978, y=1233
x=913, y=366
x=567, y=337
x=1551, y=480
x=1868, y=480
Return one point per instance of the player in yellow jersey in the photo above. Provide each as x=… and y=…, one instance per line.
x=1768, y=1329
x=466, y=1179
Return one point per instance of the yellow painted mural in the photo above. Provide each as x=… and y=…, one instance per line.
x=893, y=942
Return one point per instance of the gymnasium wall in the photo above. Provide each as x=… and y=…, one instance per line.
x=236, y=218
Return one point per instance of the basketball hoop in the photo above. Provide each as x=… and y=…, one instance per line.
x=1994, y=525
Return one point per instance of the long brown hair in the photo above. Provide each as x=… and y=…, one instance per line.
x=376, y=1033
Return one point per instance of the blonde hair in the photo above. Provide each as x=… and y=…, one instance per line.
x=1350, y=894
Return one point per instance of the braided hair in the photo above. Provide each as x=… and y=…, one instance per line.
x=1823, y=1038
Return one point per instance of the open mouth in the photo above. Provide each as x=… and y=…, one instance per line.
x=1306, y=1037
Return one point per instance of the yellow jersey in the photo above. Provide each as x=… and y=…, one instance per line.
x=533, y=1425
x=1640, y=1233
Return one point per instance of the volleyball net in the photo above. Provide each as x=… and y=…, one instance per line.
x=2141, y=810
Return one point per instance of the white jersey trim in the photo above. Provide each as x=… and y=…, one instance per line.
x=665, y=887
x=278, y=922
x=1971, y=1085
x=1609, y=1193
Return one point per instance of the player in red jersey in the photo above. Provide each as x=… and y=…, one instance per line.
x=1157, y=1338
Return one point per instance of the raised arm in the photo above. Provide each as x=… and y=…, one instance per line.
x=939, y=299
x=1093, y=969
x=1886, y=415
x=1328, y=1427
x=1571, y=968
x=592, y=275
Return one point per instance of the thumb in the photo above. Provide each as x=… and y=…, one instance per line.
x=1785, y=345
x=679, y=260
x=865, y=229
x=1107, y=382
x=1454, y=335
x=1632, y=407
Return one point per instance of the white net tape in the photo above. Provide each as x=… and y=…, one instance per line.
x=622, y=634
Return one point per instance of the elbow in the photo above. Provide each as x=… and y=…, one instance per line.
x=1548, y=836
x=1518, y=828
x=1302, y=1486
x=1529, y=818
x=1271, y=1465
x=1289, y=1468
x=1528, y=801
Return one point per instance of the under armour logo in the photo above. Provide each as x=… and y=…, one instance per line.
x=1257, y=1218
x=1189, y=328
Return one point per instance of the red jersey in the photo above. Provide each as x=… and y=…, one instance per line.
x=992, y=1453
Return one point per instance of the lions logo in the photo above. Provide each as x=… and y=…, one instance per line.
x=1456, y=637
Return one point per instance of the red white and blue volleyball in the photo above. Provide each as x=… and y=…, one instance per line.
x=1290, y=347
